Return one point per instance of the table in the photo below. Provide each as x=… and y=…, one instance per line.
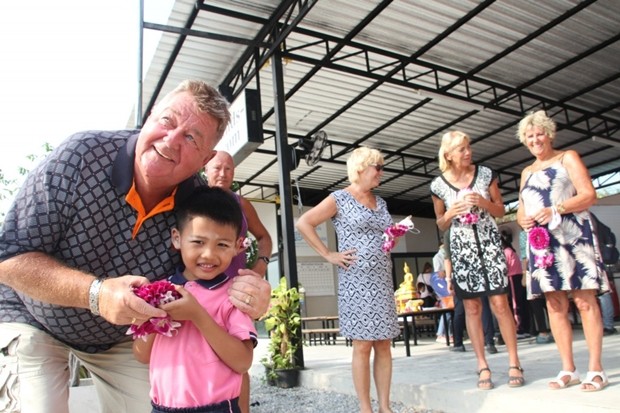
x=326, y=333
x=435, y=312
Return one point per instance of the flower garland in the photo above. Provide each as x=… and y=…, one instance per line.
x=539, y=240
x=396, y=230
x=468, y=218
x=251, y=250
x=156, y=293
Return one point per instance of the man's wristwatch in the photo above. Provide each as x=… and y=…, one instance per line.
x=264, y=258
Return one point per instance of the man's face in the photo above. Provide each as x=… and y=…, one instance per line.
x=221, y=170
x=175, y=142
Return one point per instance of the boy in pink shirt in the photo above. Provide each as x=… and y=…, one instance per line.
x=200, y=367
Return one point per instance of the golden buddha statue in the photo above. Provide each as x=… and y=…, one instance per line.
x=406, y=291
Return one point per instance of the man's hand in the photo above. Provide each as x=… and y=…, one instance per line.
x=119, y=305
x=250, y=293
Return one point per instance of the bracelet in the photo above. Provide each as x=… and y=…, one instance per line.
x=264, y=258
x=560, y=208
x=556, y=219
x=93, y=296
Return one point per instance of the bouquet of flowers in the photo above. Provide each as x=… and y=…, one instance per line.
x=468, y=218
x=156, y=294
x=251, y=250
x=394, y=231
x=539, y=240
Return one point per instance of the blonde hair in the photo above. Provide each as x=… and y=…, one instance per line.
x=536, y=119
x=449, y=141
x=360, y=159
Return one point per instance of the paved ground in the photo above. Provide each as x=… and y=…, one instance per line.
x=435, y=378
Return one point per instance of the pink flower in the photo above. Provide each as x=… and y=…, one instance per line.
x=539, y=238
x=156, y=293
x=394, y=231
x=468, y=218
x=388, y=245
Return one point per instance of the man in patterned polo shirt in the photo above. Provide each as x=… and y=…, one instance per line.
x=90, y=222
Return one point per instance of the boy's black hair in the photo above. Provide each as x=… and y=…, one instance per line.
x=213, y=203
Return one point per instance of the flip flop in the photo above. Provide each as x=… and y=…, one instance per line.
x=573, y=379
x=596, y=385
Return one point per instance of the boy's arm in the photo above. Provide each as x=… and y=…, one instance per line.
x=236, y=353
x=142, y=349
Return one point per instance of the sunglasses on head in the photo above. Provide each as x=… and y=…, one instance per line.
x=378, y=167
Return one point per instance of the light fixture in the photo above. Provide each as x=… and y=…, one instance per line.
x=462, y=103
x=606, y=141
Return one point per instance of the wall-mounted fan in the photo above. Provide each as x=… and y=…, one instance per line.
x=310, y=148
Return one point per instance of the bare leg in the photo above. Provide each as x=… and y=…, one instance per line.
x=361, y=373
x=557, y=307
x=382, y=372
x=587, y=304
x=473, y=321
x=244, y=396
x=506, y=321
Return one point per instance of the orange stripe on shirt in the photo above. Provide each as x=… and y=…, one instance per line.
x=133, y=199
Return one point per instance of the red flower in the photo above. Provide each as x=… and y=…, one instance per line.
x=156, y=293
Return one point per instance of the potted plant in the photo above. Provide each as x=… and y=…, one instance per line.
x=283, y=323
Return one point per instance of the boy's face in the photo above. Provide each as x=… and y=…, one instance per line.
x=207, y=248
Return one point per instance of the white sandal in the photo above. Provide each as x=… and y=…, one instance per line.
x=574, y=379
x=596, y=385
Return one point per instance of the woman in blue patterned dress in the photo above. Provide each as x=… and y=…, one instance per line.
x=366, y=307
x=556, y=192
x=466, y=197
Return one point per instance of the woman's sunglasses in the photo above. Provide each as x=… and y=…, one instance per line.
x=378, y=167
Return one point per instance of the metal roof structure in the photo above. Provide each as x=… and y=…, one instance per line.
x=396, y=75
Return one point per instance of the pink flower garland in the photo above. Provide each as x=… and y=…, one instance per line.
x=390, y=235
x=251, y=250
x=156, y=294
x=394, y=231
x=468, y=218
x=539, y=240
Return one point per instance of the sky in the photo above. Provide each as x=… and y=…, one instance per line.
x=67, y=66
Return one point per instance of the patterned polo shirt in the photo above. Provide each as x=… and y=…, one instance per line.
x=72, y=207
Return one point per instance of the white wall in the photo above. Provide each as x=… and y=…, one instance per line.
x=267, y=213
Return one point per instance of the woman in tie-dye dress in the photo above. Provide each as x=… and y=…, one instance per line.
x=563, y=254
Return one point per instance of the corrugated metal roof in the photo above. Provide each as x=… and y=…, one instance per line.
x=396, y=75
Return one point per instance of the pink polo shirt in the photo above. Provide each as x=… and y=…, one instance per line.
x=184, y=369
x=513, y=262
